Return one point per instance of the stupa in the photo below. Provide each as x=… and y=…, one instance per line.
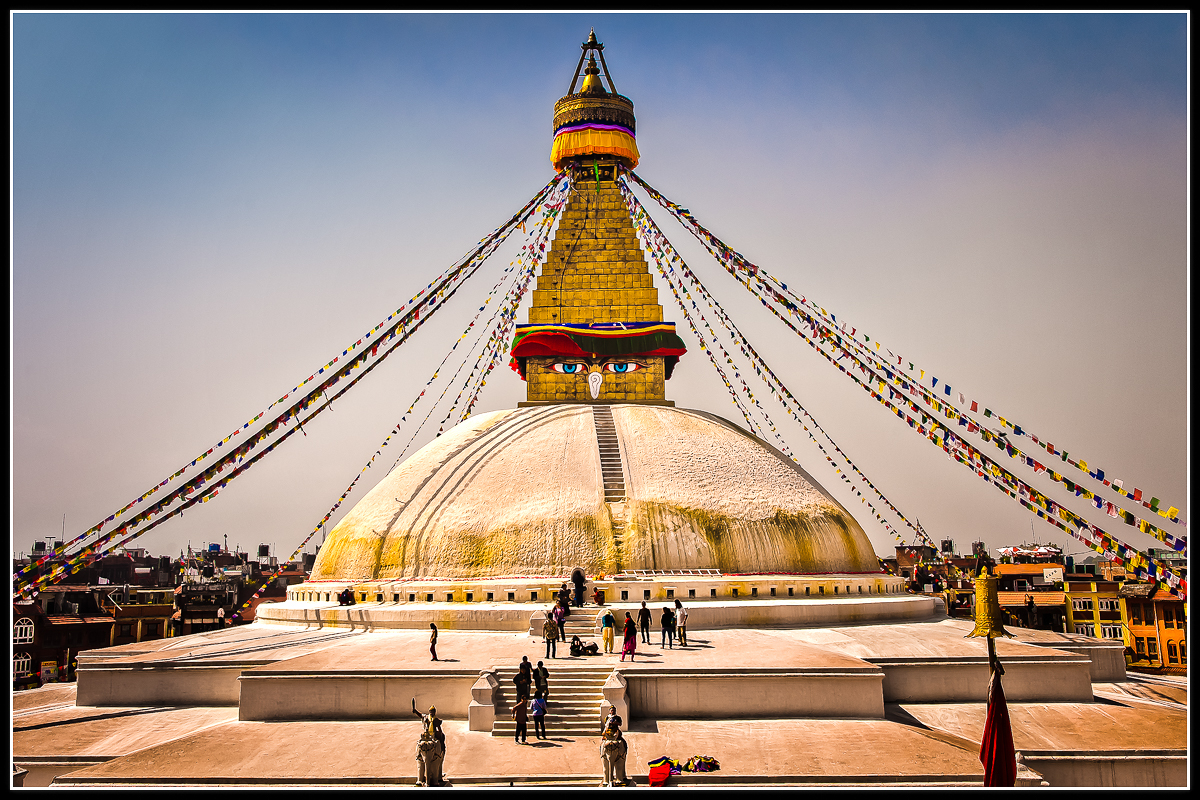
x=597, y=471
x=805, y=665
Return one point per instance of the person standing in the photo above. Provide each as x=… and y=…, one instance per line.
x=520, y=713
x=560, y=620
x=220, y=616
x=550, y=634
x=541, y=680
x=433, y=641
x=538, y=707
x=523, y=679
x=607, y=623
x=666, y=623
x=644, y=622
x=580, y=585
x=630, y=635
x=681, y=623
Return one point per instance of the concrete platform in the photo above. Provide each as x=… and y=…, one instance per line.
x=835, y=752
x=52, y=736
x=1081, y=744
x=201, y=669
x=898, y=702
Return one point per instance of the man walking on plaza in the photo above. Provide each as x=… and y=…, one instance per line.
x=550, y=634
x=644, y=622
x=607, y=623
x=667, y=624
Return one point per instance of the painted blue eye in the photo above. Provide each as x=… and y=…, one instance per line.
x=622, y=366
x=569, y=369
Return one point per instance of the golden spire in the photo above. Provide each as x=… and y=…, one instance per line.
x=592, y=83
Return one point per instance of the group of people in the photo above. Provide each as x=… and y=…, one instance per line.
x=525, y=707
x=672, y=622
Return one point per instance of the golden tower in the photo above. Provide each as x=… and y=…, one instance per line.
x=596, y=332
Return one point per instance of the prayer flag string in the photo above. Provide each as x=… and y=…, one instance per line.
x=664, y=256
x=27, y=580
x=833, y=339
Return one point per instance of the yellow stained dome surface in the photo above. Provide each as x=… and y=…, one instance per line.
x=521, y=493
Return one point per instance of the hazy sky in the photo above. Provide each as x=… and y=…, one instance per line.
x=207, y=208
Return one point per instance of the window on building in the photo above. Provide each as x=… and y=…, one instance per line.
x=1081, y=605
x=1168, y=617
x=1135, y=613
x=1183, y=652
x=22, y=665
x=1172, y=653
x=1152, y=647
x=1084, y=629
x=1109, y=605
x=1110, y=631
x=23, y=631
x=1139, y=645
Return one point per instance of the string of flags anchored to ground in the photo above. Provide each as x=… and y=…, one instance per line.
x=206, y=485
x=666, y=258
x=902, y=390
x=834, y=344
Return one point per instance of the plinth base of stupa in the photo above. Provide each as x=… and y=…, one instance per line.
x=713, y=600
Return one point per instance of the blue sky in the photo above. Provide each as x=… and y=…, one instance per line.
x=208, y=207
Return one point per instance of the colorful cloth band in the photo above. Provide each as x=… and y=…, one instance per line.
x=598, y=340
x=599, y=126
x=594, y=138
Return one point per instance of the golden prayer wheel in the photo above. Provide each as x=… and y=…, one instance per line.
x=989, y=618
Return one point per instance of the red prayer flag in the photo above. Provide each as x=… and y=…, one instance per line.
x=996, y=751
x=974, y=406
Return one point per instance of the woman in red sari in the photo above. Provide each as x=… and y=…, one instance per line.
x=630, y=634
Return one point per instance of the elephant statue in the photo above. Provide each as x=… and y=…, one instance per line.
x=613, y=749
x=430, y=754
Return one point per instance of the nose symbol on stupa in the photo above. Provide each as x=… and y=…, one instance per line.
x=594, y=381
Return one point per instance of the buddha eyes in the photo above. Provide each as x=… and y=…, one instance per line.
x=578, y=368
x=569, y=369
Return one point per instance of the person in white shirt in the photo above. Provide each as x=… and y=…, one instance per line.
x=681, y=623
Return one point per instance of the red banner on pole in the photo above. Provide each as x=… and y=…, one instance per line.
x=996, y=751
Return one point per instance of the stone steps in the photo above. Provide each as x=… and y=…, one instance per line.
x=574, y=704
x=611, y=472
x=582, y=623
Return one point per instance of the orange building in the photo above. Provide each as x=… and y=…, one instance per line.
x=1093, y=606
x=1155, y=629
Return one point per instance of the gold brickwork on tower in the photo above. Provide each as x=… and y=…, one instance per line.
x=595, y=272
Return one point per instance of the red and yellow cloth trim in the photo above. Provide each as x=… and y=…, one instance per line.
x=594, y=139
x=603, y=339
